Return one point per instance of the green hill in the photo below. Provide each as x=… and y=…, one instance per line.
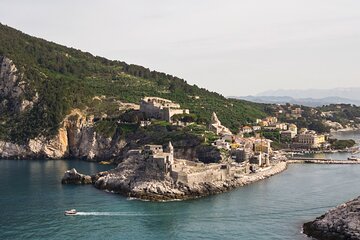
x=63, y=78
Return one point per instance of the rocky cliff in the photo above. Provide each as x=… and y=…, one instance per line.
x=77, y=135
x=76, y=138
x=342, y=222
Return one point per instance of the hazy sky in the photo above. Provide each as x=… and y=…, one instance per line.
x=234, y=47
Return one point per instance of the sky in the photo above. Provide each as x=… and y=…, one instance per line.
x=234, y=47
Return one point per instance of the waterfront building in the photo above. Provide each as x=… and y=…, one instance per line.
x=310, y=139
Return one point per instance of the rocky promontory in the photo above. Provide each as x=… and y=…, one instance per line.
x=342, y=222
x=135, y=178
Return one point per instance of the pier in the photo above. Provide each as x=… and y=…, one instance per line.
x=321, y=161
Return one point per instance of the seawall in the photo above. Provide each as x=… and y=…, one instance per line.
x=321, y=161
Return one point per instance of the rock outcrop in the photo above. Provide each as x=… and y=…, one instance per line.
x=73, y=177
x=11, y=150
x=342, y=222
x=14, y=92
x=217, y=127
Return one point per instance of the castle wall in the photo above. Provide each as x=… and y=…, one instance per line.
x=160, y=108
x=208, y=175
x=150, y=110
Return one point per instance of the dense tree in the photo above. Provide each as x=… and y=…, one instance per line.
x=66, y=78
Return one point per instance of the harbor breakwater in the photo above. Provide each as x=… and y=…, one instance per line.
x=320, y=161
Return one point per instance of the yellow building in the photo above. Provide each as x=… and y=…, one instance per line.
x=311, y=140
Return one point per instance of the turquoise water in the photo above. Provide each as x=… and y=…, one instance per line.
x=32, y=202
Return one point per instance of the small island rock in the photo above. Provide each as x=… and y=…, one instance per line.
x=73, y=177
x=342, y=222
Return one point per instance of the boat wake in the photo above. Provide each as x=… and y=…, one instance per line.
x=107, y=214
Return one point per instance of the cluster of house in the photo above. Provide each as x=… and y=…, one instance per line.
x=255, y=150
x=303, y=138
x=268, y=123
x=289, y=111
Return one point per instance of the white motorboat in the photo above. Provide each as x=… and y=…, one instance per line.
x=70, y=212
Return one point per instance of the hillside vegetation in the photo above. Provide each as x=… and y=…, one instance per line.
x=66, y=78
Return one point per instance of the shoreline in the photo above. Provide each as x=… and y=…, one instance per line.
x=352, y=129
x=227, y=186
x=213, y=188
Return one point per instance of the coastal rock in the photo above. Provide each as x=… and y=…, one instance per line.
x=133, y=179
x=73, y=177
x=342, y=222
x=11, y=150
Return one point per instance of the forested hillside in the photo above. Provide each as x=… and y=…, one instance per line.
x=61, y=78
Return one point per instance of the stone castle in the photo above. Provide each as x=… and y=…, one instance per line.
x=158, y=159
x=160, y=108
x=182, y=171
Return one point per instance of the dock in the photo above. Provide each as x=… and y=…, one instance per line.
x=320, y=161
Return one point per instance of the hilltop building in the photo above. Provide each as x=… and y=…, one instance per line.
x=160, y=108
x=247, y=129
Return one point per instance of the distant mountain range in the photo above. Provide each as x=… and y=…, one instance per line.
x=307, y=97
x=311, y=102
x=349, y=93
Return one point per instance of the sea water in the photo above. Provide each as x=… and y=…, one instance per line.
x=33, y=201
